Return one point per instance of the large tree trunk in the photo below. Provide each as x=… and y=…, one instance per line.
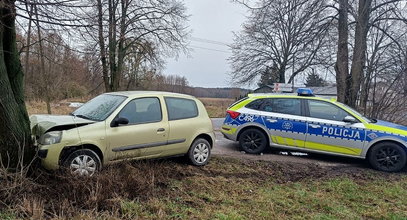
x=14, y=127
x=359, y=52
x=342, y=60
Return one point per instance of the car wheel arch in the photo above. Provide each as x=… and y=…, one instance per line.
x=206, y=137
x=70, y=149
x=254, y=127
x=383, y=141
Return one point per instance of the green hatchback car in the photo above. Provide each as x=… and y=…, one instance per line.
x=122, y=125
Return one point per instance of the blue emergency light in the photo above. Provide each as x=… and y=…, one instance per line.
x=304, y=92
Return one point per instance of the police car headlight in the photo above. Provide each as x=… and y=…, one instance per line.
x=53, y=137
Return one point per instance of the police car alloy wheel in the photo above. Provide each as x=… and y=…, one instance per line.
x=387, y=156
x=253, y=141
x=199, y=152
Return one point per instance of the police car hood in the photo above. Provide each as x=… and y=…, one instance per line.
x=385, y=124
x=40, y=124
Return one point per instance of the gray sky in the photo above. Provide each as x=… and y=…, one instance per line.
x=212, y=20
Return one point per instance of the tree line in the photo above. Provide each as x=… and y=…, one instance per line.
x=361, y=44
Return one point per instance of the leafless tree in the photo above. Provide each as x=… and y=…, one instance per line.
x=357, y=19
x=286, y=36
x=125, y=27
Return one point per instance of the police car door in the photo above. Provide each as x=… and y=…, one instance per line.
x=326, y=130
x=284, y=121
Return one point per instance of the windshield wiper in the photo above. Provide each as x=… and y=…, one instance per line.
x=82, y=116
x=373, y=120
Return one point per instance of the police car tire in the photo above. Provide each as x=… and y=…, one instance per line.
x=193, y=156
x=257, y=133
x=373, y=160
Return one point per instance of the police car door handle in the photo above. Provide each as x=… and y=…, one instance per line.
x=315, y=126
x=271, y=120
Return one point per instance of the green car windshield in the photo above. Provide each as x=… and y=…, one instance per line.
x=99, y=108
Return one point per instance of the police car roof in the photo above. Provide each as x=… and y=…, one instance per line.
x=287, y=95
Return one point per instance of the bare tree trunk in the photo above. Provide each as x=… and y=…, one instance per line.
x=112, y=45
x=342, y=62
x=45, y=80
x=102, y=47
x=29, y=8
x=121, y=46
x=14, y=127
x=359, y=52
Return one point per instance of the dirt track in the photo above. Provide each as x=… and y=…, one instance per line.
x=227, y=148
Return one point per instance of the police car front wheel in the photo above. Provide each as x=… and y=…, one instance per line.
x=253, y=141
x=387, y=156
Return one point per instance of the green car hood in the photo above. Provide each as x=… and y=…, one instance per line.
x=40, y=124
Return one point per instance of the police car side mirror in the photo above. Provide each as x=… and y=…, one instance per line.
x=350, y=119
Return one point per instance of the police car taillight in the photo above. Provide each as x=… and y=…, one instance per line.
x=233, y=114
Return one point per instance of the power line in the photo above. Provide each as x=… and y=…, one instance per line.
x=203, y=40
x=205, y=48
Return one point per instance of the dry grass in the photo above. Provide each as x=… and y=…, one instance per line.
x=38, y=107
x=216, y=107
x=225, y=189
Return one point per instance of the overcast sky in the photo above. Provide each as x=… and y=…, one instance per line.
x=213, y=21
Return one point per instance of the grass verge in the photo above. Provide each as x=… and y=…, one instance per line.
x=225, y=189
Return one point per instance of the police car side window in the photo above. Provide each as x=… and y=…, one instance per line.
x=282, y=105
x=324, y=110
x=256, y=104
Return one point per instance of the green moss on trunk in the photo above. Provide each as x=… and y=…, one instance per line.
x=14, y=122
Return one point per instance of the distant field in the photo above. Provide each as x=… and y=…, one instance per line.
x=216, y=107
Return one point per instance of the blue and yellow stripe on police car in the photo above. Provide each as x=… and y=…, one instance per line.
x=315, y=146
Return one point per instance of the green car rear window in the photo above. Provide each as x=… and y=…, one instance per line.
x=179, y=108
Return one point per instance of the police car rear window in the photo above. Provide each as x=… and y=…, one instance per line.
x=256, y=104
x=239, y=101
x=282, y=105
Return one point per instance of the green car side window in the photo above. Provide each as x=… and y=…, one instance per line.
x=180, y=108
x=141, y=111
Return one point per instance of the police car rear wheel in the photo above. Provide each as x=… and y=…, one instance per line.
x=387, y=156
x=253, y=141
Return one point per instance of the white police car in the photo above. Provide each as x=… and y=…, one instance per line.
x=313, y=124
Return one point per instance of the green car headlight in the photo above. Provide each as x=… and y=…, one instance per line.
x=53, y=137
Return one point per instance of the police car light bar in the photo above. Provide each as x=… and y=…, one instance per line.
x=305, y=92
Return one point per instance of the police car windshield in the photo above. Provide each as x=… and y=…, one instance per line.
x=356, y=112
